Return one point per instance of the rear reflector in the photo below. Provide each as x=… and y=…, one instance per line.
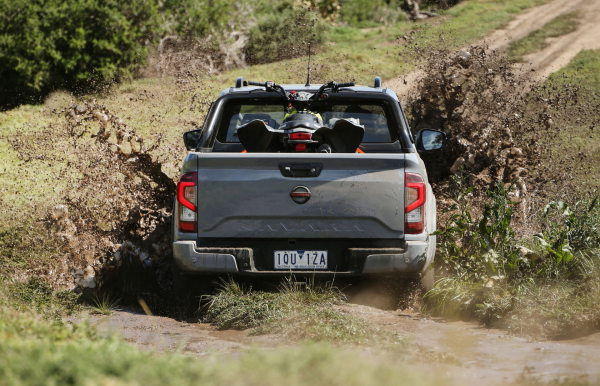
x=300, y=136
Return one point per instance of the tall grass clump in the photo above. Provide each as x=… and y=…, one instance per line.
x=548, y=285
x=308, y=312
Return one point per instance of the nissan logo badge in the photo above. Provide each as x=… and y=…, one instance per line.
x=300, y=194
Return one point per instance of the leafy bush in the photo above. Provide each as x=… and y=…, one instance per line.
x=368, y=13
x=547, y=291
x=578, y=227
x=484, y=249
x=47, y=44
x=283, y=34
x=479, y=250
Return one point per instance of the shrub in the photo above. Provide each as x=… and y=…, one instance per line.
x=479, y=249
x=284, y=34
x=365, y=13
x=201, y=18
x=47, y=44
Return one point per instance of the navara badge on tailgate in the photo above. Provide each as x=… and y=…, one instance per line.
x=300, y=194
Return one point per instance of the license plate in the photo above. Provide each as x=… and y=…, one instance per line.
x=301, y=260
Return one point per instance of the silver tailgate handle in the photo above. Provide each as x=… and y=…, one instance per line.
x=300, y=170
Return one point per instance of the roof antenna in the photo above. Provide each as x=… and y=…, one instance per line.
x=308, y=69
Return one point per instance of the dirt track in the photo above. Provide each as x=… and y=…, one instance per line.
x=557, y=55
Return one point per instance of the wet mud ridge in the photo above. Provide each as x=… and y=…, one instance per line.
x=489, y=356
x=163, y=334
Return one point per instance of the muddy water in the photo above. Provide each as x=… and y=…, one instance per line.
x=163, y=334
x=490, y=356
x=480, y=356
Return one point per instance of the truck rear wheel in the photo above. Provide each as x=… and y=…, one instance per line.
x=186, y=292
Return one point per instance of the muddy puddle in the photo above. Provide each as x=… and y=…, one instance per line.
x=162, y=334
x=489, y=356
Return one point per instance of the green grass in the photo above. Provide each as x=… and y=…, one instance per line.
x=35, y=295
x=574, y=140
x=555, y=308
x=537, y=40
x=104, y=304
x=298, y=313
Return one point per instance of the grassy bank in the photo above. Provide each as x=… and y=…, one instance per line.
x=537, y=40
x=546, y=286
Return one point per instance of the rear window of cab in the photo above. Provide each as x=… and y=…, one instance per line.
x=375, y=116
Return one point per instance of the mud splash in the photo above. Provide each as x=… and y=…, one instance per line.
x=501, y=124
x=113, y=226
x=473, y=96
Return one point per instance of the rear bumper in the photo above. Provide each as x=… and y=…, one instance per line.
x=413, y=260
x=189, y=259
x=410, y=260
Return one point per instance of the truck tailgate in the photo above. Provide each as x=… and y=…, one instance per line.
x=247, y=195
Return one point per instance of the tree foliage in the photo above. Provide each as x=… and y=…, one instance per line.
x=46, y=44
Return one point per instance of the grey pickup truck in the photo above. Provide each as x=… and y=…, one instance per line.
x=310, y=180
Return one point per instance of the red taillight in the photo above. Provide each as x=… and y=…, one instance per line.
x=301, y=147
x=186, y=197
x=300, y=136
x=414, y=198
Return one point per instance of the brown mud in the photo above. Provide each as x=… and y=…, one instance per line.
x=479, y=356
x=490, y=356
x=161, y=334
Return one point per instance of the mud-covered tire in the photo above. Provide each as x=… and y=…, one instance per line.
x=427, y=280
x=187, y=292
x=184, y=293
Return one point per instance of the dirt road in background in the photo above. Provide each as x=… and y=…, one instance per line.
x=559, y=52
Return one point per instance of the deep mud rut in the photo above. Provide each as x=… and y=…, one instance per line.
x=482, y=356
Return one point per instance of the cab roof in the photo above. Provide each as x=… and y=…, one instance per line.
x=376, y=89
